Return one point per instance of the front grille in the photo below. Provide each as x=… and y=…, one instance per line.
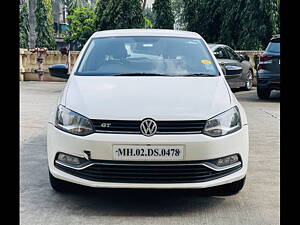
x=148, y=172
x=163, y=127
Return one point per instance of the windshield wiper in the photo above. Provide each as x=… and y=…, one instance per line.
x=199, y=75
x=141, y=74
x=166, y=75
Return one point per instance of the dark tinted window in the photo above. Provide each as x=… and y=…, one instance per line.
x=232, y=54
x=220, y=53
x=145, y=54
x=273, y=47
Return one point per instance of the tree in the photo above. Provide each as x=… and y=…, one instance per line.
x=177, y=8
x=164, y=18
x=231, y=25
x=148, y=24
x=101, y=22
x=119, y=14
x=260, y=22
x=44, y=25
x=70, y=5
x=148, y=12
x=144, y=4
x=82, y=25
x=90, y=4
x=24, y=26
x=241, y=24
x=203, y=17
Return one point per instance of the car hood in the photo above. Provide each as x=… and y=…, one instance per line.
x=136, y=98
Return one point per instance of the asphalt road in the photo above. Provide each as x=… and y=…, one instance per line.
x=257, y=203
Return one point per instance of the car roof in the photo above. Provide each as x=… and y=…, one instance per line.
x=146, y=32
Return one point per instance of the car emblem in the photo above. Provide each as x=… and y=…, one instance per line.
x=148, y=127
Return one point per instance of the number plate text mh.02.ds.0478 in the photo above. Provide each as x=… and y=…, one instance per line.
x=148, y=152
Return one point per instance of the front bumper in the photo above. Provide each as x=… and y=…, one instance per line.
x=197, y=147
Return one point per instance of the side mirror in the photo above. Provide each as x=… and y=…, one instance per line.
x=244, y=57
x=233, y=70
x=59, y=70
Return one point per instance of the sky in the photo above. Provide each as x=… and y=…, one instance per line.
x=149, y=3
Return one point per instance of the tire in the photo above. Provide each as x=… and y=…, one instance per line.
x=263, y=93
x=59, y=185
x=231, y=188
x=249, y=81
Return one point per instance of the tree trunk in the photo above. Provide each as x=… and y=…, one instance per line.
x=144, y=4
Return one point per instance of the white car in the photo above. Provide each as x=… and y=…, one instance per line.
x=145, y=108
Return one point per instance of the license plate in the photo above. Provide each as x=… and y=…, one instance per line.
x=148, y=152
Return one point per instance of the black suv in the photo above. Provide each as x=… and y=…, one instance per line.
x=268, y=70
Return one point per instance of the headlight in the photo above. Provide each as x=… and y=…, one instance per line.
x=72, y=122
x=224, y=123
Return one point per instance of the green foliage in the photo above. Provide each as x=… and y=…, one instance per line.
x=101, y=21
x=260, y=21
x=82, y=25
x=119, y=14
x=149, y=14
x=232, y=25
x=44, y=26
x=70, y=5
x=148, y=24
x=203, y=17
x=178, y=8
x=24, y=25
x=241, y=24
x=164, y=18
x=85, y=4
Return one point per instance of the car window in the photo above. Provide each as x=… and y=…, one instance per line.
x=146, y=54
x=220, y=53
x=232, y=54
x=273, y=47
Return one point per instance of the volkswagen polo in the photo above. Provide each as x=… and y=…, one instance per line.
x=145, y=108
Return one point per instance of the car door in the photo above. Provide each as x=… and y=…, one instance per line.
x=235, y=60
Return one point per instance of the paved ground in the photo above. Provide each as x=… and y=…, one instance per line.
x=256, y=204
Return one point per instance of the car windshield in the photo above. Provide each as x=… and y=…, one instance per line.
x=146, y=55
x=274, y=47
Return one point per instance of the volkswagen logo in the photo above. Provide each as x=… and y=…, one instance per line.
x=148, y=127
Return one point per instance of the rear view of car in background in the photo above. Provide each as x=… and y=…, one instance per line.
x=268, y=70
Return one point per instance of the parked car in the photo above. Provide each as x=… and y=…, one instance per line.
x=147, y=108
x=268, y=70
x=226, y=56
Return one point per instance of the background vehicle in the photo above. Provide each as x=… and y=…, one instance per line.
x=268, y=70
x=226, y=56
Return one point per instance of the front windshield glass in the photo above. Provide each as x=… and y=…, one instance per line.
x=143, y=55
